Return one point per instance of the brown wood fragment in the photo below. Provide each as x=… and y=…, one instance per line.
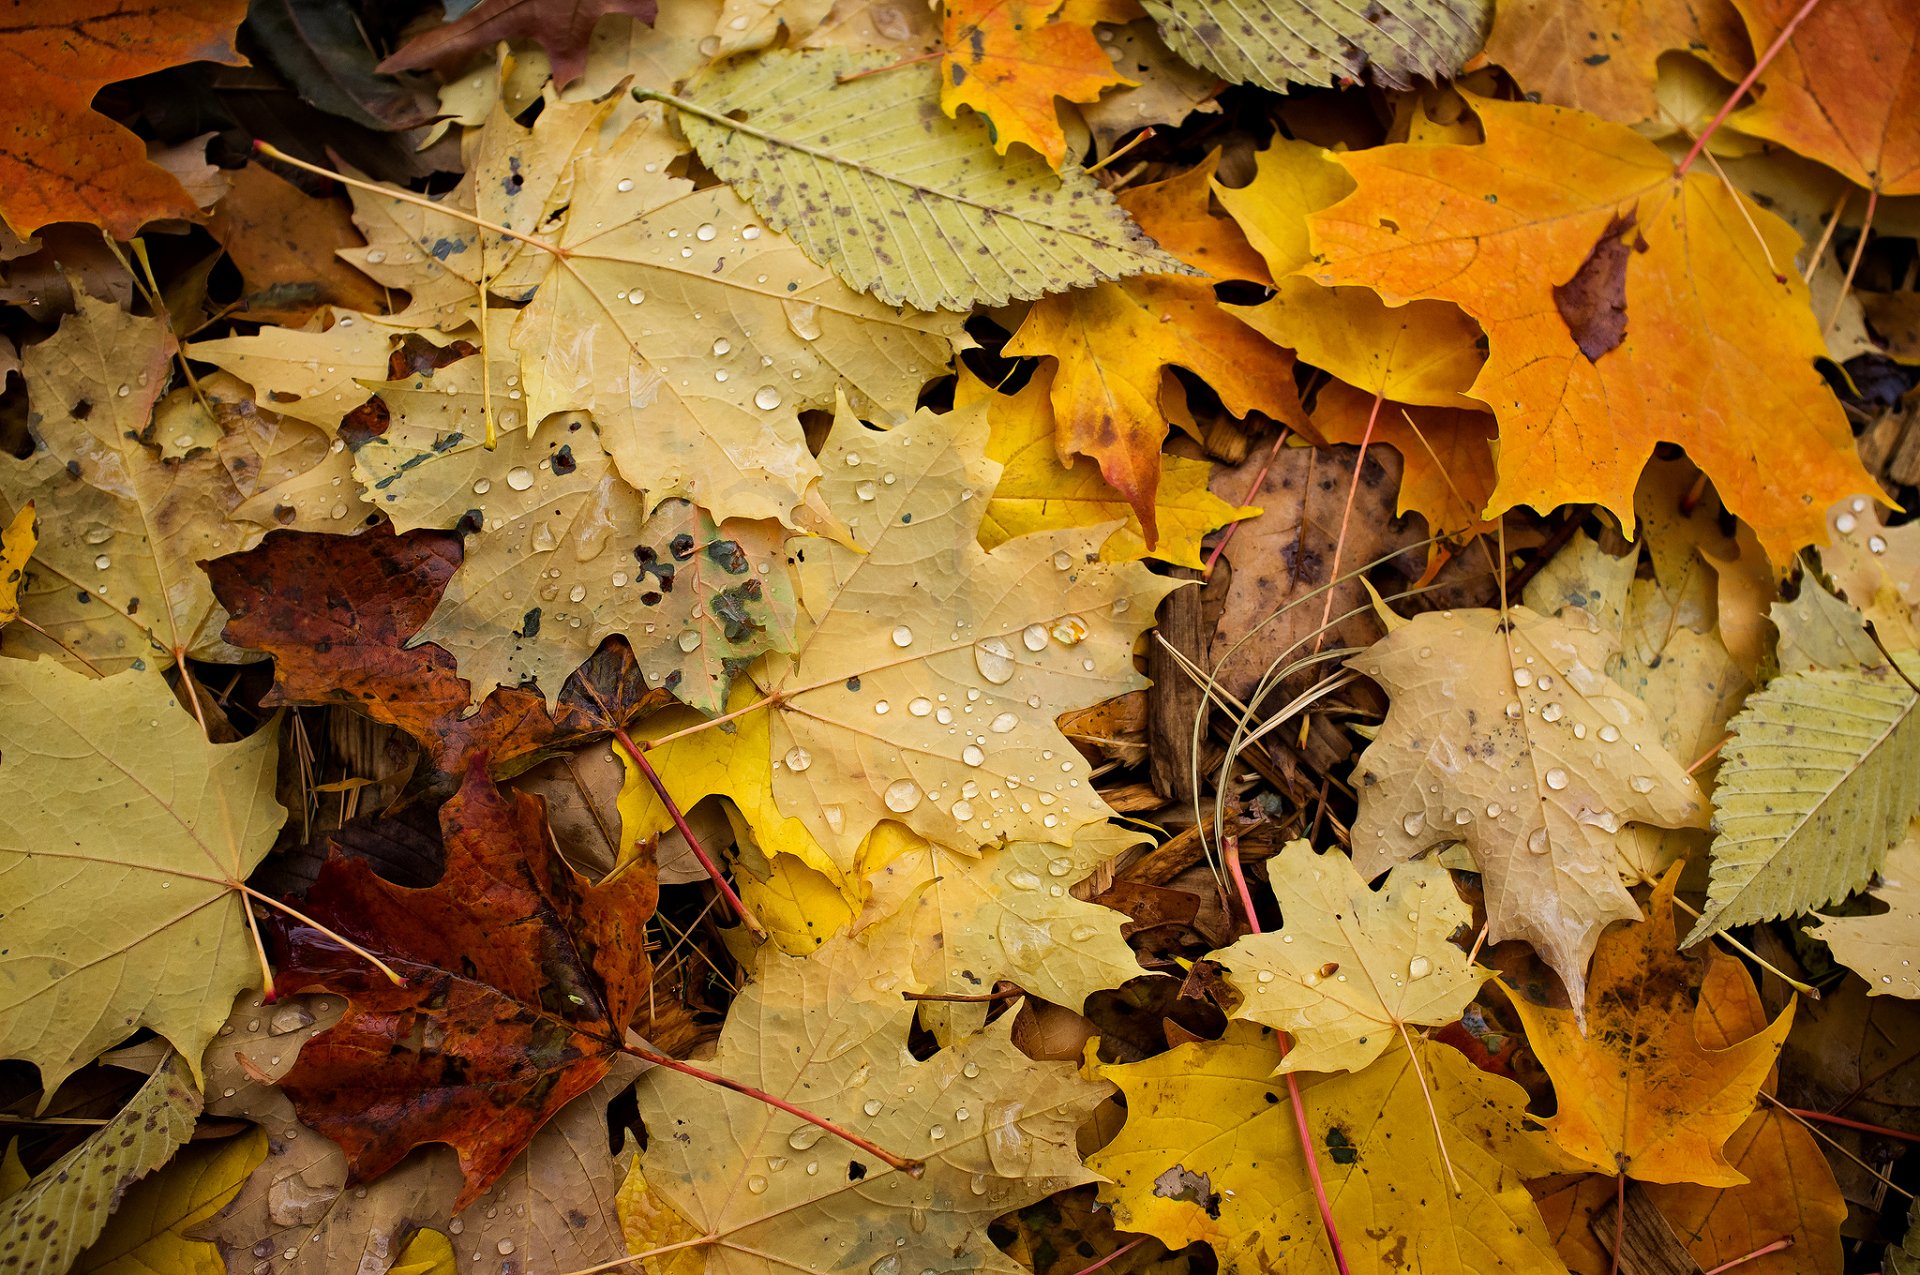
x=1648, y=1245
x=1176, y=699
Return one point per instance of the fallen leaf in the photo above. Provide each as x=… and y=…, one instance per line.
x=1844, y=89
x=521, y=980
x=1352, y=967
x=1504, y=733
x=65, y=1207
x=1209, y=1152
x=63, y=162
x=994, y=1129
x=1316, y=42
x=149, y=1231
x=813, y=119
x=1603, y=57
x=17, y=544
x=1877, y=569
x=1639, y=1094
x=563, y=27
x=109, y=787
x=1599, y=348
x=1881, y=947
x=1037, y=492
x=1113, y=344
x=1168, y=93
x=1009, y=60
x=1446, y=454
x=271, y=229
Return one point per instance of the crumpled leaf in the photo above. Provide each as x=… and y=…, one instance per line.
x=1037, y=492
x=63, y=162
x=1821, y=776
x=929, y=671
x=1601, y=56
x=1319, y=42
x=1352, y=967
x=1597, y=348
x=1843, y=90
x=554, y=1204
x=149, y=1231
x=1882, y=947
x=789, y=129
x=1009, y=60
x=1539, y=759
x=957, y=923
x=65, y=1208
x=521, y=980
x=995, y=1129
x=564, y=28
x=1168, y=93
x=109, y=791
x=113, y=575
x=1638, y=1091
x=1209, y=1152
x=1113, y=345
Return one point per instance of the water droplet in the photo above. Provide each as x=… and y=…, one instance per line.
x=636, y=297
x=1070, y=631
x=805, y=1136
x=481, y=486
x=98, y=535
x=1034, y=637
x=888, y=1265
x=519, y=478
x=962, y=811
x=1556, y=778
x=1609, y=734
x=902, y=795
x=624, y=185
x=871, y=1106
x=766, y=398
x=688, y=641
x=1514, y=712
x=1522, y=677
x=757, y=1184
x=1493, y=810
x=705, y=233
x=994, y=659
x=920, y=706
x=1641, y=783
x=1844, y=524
x=1877, y=544
x=1413, y=823
x=798, y=758
x=374, y=257
x=1003, y=723
x=1462, y=817
x=1419, y=967
x=972, y=755
x=505, y=1248
x=902, y=635
x=1062, y=560
x=339, y=510
x=1021, y=879
x=1552, y=713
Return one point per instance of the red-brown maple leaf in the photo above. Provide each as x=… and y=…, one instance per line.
x=336, y=614
x=521, y=979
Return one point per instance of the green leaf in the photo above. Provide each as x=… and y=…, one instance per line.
x=1819, y=780
x=1275, y=43
x=875, y=182
x=64, y=1209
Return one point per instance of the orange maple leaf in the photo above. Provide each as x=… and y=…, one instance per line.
x=1639, y=1091
x=59, y=161
x=1113, y=342
x=1845, y=90
x=1623, y=305
x=1009, y=60
x=1603, y=55
x=1447, y=453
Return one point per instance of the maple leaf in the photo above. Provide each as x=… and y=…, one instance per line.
x=1209, y=1152
x=311, y=374
x=110, y=789
x=269, y=227
x=1113, y=343
x=1446, y=454
x=1638, y=1093
x=1843, y=90
x=1009, y=60
x=63, y=162
x=521, y=980
x=994, y=1129
x=1599, y=348
x=1036, y=492
x=929, y=672
x=1603, y=57
x=789, y=130
x=1880, y=947
x=1877, y=569
x=113, y=576
x=338, y=614
x=1352, y=967
x=553, y=1205
x=960, y=922
x=1508, y=736
x=563, y=28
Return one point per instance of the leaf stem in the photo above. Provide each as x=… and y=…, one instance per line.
x=912, y=1168
x=1779, y=1245
x=614, y=1262
x=1230, y=851
x=333, y=934
x=1845, y=1123
x=639, y=757
x=1740, y=89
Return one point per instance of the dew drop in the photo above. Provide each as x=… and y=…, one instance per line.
x=972, y=755
x=1556, y=778
x=481, y=486
x=920, y=706
x=1608, y=734
x=1062, y=560
x=1021, y=879
x=1070, y=631
x=1844, y=524
x=1419, y=967
x=636, y=297
x=504, y=1248
x=1034, y=637
x=871, y=1106
x=705, y=233
x=519, y=478
x=1552, y=713
x=866, y=491
x=994, y=660
x=798, y=758
x=624, y=185
x=902, y=635
x=902, y=795
x=1413, y=823
x=722, y=347
x=962, y=811
x=766, y=398
x=688, y=641
x=1523, y=677
x=1003, y=723
x=1640, y=783
x=757, y=1184
x=805, y=1136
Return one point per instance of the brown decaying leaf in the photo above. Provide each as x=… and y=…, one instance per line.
x=521, y=981
x=563, y=28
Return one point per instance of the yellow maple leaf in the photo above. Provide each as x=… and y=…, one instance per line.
x=1623, y=305
x=1009, y=60
x=1113, y=343
x=16, y=546
x=1639, y=1091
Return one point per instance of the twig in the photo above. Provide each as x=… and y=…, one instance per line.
x=1740, y=89
x=639, y=757
x=1779, y=1245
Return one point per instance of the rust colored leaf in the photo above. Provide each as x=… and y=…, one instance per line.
x=337, y=612
x=59, y=161
x=521, y=980
x=1594, y=302
x=282, y=240
x=563, y=28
